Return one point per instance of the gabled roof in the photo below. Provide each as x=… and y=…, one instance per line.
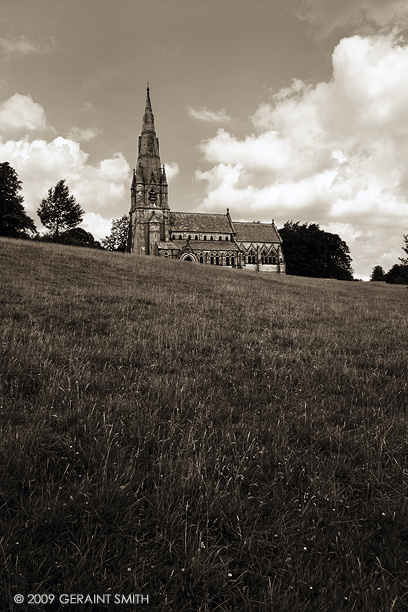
x=199, y=222
x=256, y=232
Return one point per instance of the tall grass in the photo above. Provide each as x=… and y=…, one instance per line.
x=216, y=439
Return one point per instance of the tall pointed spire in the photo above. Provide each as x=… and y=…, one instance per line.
x=149, y=176
x=149, y=210
x=148, y=118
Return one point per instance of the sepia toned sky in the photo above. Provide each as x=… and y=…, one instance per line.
x=285, y=109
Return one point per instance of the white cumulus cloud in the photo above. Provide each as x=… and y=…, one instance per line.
x=100, y=189
x=20, y=112
x=97, y=225
x=333, y=153
x=172, y=170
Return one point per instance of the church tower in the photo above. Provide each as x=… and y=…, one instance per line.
x=149, y=211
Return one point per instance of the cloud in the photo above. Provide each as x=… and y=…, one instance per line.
x=85, y=134
x=20, y=112
x=25, y=46
x=202, y=113
x=324, y=16
x=333, y=153
x=172, y=170
x=101, y=189
x=97, y=225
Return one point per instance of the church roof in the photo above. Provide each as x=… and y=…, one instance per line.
x=199, y=222
x=199, y=245
x=210, y=245
x=256, y=232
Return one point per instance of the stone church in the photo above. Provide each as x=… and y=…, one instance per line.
x=204, y=238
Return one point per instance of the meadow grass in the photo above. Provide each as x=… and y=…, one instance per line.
x=216, y=439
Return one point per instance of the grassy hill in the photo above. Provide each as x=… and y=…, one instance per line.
x=214, y=439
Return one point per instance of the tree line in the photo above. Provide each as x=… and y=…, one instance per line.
x=398, y=274
x=59, y=213
x=308, y=250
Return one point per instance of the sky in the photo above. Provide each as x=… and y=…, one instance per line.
x=277, y=109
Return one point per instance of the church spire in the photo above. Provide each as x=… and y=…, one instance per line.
x=148, y=118
x=150, y=179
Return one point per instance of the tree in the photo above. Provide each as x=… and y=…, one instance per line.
x=377, y=274
x=59, y=211
x=80, y=237
x=404, y=260
x=398, y=275
x=309, y=251
x=14, y=221
x=116, y=241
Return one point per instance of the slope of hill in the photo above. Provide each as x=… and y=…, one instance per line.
x=212, y=439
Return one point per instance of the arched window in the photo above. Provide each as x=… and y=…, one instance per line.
x=219, y=237
x=232, y=261
x=195, y=237
x=226, y=238
x=189, y=236
x=205, y=237
x=212, y=260
x=211, y=237
x=217, y=261
x=201, y=259
x=180, y=237
x=274, y=260
x=227, y=261
x=152, y=196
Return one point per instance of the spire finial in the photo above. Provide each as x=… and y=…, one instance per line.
x=148, y=87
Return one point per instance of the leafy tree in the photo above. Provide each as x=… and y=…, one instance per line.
x=14, y=221
x=398, y=275
x=60, y=211
x=116, y=241
x=404, y=260
x=377, y=274
x=309, y=251
x=80, y=237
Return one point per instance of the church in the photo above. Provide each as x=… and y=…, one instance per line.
x=204, y=238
